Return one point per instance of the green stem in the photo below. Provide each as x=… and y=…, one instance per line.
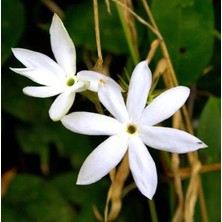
x=128, y=36
x=167, y=159
x=153, y=212
x=171, y=199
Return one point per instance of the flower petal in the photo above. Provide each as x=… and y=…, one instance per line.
x=62, y=46
x=80, y=86
x=91, y=123
x=41, y=91
x=40, y=75
x=110, y=96
x=142, y=167
x=165, y=105
x=169, y=139
x=94, y=78
x=139, y=87
x=61, y=105
x=36, y=60
x=102, y=160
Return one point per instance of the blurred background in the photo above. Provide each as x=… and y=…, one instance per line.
x=41, y=158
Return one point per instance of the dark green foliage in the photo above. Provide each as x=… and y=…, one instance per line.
x=48, y=157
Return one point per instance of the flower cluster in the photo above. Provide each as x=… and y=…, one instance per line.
x=132, y=126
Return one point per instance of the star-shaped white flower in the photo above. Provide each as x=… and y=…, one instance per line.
x=132, y=128
x=57, y=78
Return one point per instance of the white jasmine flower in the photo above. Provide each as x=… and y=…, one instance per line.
x=56, y=78
x=130, y=129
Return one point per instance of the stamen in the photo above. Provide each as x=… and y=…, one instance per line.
x=101, y=82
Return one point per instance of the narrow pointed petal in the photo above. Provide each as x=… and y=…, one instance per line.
x=62, y=46
x=36, y=60
x=91, y=123
x=102, y=160
x=40, y=75
x=169, y=139
x=165, y=105
x=61, y=105
x=41, y=91
x=94, y=78
x=139, y=87
x=142, y=167
x=110, y=96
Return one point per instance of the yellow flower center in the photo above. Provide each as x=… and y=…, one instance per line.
x=70, y=82
x=131, y=129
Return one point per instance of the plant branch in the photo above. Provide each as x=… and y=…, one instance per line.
x=97, y=32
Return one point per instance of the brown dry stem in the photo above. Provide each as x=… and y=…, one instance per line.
x=54, y=7
x=116, y=189
x=97, y=32
x=6, y=179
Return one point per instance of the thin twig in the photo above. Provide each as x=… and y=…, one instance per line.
x=140, y=19
x=192, y=193
x=116, y=188
x=178, y=216
x=97, y=31
x=54, y=7
x=108, y=6
x=186, y=171
x=153, y=47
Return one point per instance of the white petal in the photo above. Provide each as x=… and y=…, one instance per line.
x=94, y=78
x=169, y=139
x=110, y=96
x=36, y=60
x=165, y=105
x=142, y=167
x=40, y=75
x=139, y=87
x=91, y=124
x=80, y=86
x=102, y=160
x=61, y=105
x=41, y=91
x=62, y=46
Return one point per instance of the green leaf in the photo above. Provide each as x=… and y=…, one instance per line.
x=79, y=22
x=38, y=138
x=85, y=196
x=21, y=106
x=35, y=140
x=187, y=28
x=12, y=25
x=31, y=198
x=210, y=132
